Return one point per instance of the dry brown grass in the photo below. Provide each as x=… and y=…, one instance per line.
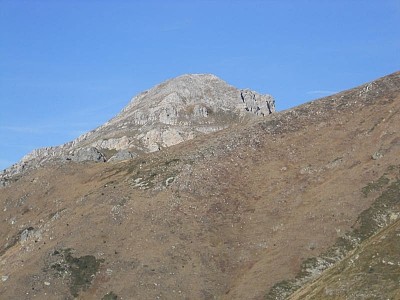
x=245, y=206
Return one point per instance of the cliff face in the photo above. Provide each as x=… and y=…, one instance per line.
x=168, y=114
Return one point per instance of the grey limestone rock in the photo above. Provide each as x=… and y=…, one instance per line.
x=122, y=155
x=26, y=234
x=256, y=103
x=87, y=154
x=377, y=155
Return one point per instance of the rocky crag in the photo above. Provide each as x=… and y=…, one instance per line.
x=177, y=110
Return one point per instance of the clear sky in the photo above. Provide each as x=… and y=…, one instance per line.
x=68, y=66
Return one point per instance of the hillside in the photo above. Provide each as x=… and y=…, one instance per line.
x=253, y=211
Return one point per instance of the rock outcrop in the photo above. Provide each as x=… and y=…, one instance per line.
x=170, y=113
x=258, y=104
x=87, y=154
x=122, y=155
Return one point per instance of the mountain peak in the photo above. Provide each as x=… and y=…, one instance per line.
x=199, y=76
x=172, y=112
x=194, y=89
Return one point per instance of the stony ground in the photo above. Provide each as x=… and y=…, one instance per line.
x=230, y=215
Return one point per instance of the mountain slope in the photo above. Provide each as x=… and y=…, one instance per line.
x=228, y=215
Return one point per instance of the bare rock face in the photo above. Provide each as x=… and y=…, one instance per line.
x=168, y=114
x=258, y=104
x=122, y=155
x=87, y=154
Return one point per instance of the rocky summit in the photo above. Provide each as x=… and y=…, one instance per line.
x=298, y=204
x=175, y=111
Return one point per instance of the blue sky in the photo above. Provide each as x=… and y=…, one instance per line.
x=66, y=67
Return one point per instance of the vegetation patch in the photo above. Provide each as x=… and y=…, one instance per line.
x=282, y=290
x=375, y=185
x=79, y=271
x=110, y=296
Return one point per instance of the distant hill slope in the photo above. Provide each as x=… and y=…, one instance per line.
x=258, y=210
x=175, y=111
